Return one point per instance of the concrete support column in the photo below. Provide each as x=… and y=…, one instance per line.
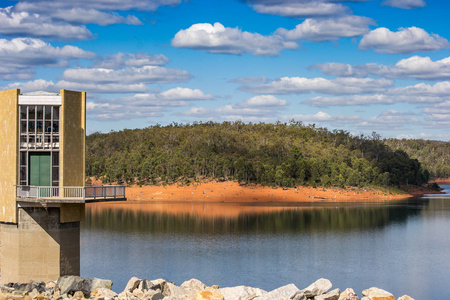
x=39, y=246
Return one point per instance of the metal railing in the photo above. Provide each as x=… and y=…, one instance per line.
x=71, y=192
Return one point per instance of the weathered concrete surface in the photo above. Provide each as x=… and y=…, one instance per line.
x=39, y=247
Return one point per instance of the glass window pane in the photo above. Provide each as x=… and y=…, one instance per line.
x=48, y=126
x=40, y=112
x=23, y=112
x=48, y=112
x=55, y=159
x=55, y=126
x=39, y=127
x=55, y=174
x=31, y=112
x=23, y=158
x=31, y=125
x=23, y=173
x=55, y=112
x=23, y=127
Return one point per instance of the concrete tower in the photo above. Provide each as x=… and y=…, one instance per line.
x=42, y=186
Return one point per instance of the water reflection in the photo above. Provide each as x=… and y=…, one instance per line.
x=226, y=218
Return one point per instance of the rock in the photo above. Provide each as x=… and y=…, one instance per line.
x=5, y=289
x=333, y=295
x=241, y=292
x=71, y=284
x=284, y=292
x=145, y=285
x=193, y=285
x=299, y=296
x=132, y=284
x=348, y=294
x=158, y=296
x=170, y=289
x=318, y=288
x=377, y=294
x=28, y=287
x=148, y=295
x=103, y=293
x=78, y=295
x=405, y=297
x=210, y=293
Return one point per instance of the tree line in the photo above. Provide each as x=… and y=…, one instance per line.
x=280, y=154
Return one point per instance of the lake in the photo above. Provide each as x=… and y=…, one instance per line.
x=402, y=246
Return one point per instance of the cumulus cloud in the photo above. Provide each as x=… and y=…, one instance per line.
x=144, y=105
x=259, y=108
x=406, y=4
x=144, y=74
x=389, y=120
x=323, y=118
x=417, y=67
x=36, y=25
x=377, y=99
x=219, y=39
x=139, y=59
x=262, y=79
x=20, y=56
x=328, y=29
x=299, y=9
x=301, y=85
x=405, y=40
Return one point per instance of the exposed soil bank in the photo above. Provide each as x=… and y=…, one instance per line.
x=442, y=180
x=232, y=191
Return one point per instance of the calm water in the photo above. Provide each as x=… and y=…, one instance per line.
x=402, y=247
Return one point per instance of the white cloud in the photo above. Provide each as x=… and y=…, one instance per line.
x=301, y=85
x=340, y=69
x=20, y=56
x=36, y=25
x=413, y=67
x=405, y=40
x=80, y=15
x=105, y=5
x=328, y=29
x=439, y=89
x=389, y=120
x=263, y=101
x=126, y=75
x=261, y=79
x=322, y=118
x=259, y=108
x=406, y=4
x=31, y=86
x=139, y=59
x=219, y=39
x=144, y=105
x=299, y=9
x=377, y=99
x=180, y=93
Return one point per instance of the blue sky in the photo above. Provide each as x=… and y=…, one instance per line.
x=361, y=65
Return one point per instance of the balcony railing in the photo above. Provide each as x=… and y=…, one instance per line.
x=70, y=193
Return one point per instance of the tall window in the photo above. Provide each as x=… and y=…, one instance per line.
x=39, y=132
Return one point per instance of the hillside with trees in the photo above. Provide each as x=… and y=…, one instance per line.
x=433, y=155
x=281, y=154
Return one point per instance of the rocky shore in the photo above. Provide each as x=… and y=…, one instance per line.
x=76, y=288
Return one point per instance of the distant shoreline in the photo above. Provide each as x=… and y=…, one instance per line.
x=232, y=191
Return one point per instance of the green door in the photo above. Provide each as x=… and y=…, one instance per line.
x=39, y=169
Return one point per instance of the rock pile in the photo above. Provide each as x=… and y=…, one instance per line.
x=76, y=288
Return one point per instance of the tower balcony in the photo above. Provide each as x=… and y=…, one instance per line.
x=70, y=194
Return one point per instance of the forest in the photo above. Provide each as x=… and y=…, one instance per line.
x=280, y=154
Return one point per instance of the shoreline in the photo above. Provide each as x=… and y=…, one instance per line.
x=232, y=191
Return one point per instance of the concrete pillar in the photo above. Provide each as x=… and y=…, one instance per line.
x=39, y=247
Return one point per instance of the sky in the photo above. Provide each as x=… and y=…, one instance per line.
x=360, y=65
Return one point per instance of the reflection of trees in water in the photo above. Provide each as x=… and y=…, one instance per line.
x=316, y=219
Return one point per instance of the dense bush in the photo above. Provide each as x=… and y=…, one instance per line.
x=281, y=154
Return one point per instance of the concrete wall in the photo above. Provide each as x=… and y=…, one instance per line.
x=8, y=154
x=39, y=247
x=73, y=131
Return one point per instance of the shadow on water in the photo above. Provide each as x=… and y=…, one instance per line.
x=195, y=218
